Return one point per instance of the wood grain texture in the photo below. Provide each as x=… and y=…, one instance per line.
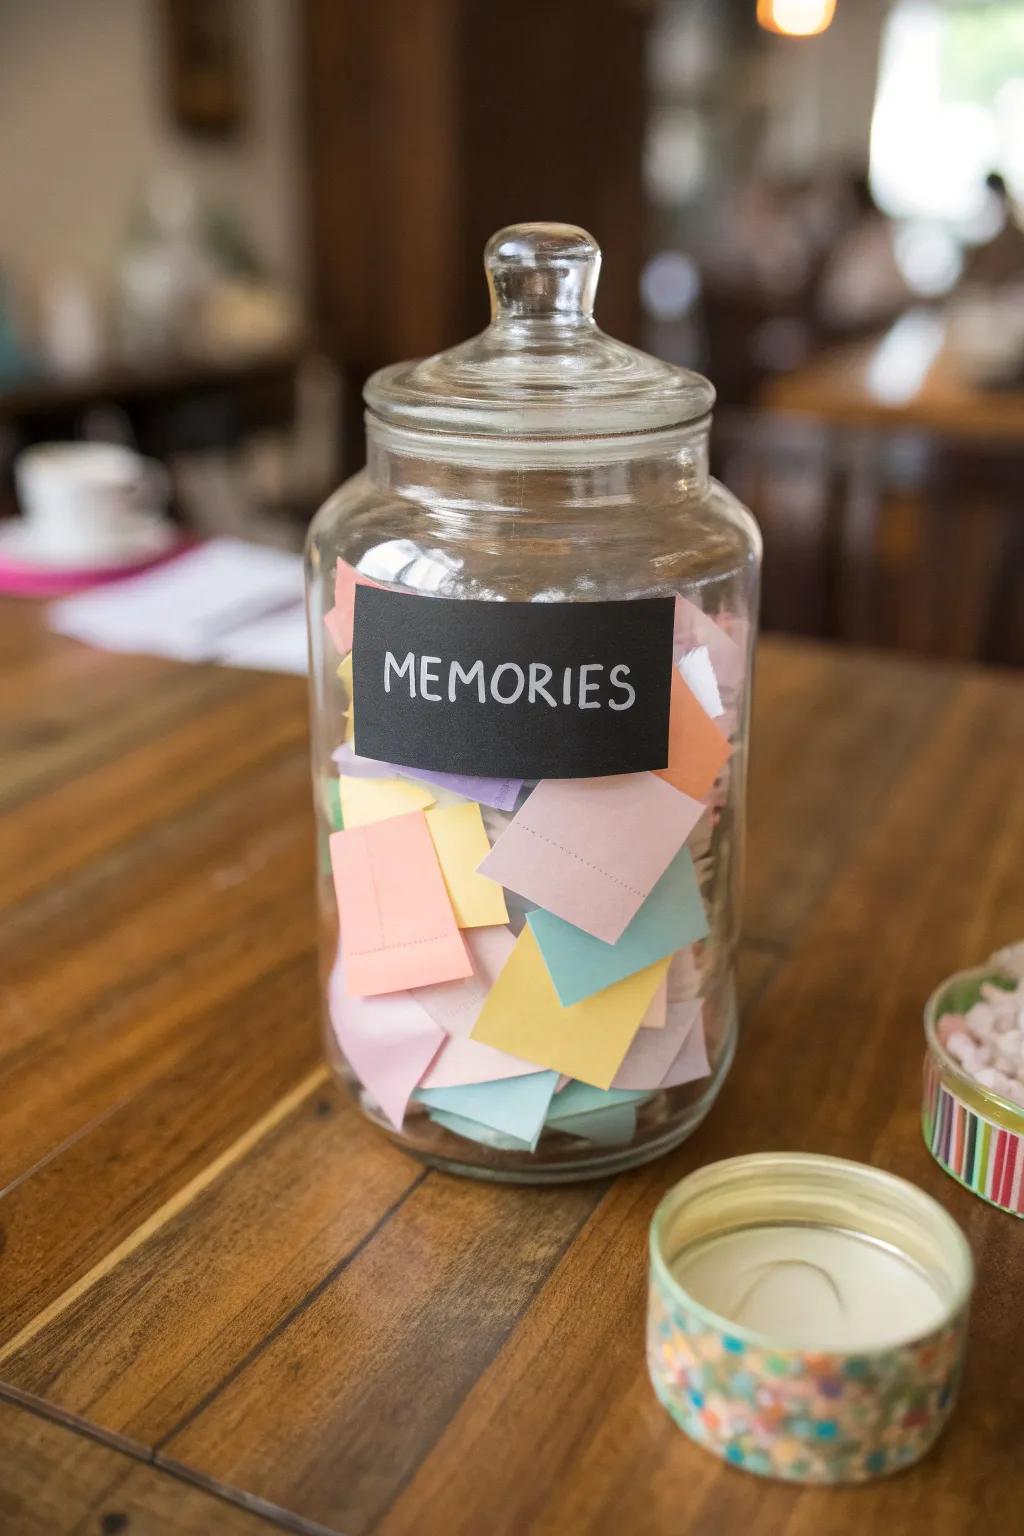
x=208, y=1258
x=56, y=1483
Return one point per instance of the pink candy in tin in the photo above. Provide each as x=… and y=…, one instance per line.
x=973, y=1110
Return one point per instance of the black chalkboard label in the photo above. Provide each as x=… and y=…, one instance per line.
x=512, y=690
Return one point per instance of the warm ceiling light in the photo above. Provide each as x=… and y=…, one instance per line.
x=796, y=18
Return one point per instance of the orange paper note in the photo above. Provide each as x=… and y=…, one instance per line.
x=398, y=929
x=697, y=749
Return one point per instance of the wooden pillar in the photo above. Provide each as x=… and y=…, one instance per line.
x=431, y=123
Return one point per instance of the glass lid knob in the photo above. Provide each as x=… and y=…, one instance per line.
x=542, y=272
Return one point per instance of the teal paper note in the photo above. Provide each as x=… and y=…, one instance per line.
x=482, y=1133
x=514, y=1105
x=581, y=1099
x=602, y=1127
x=580, y=965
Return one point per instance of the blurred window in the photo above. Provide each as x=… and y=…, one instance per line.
x=949, y=109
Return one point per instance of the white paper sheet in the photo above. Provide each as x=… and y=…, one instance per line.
x=227, y=601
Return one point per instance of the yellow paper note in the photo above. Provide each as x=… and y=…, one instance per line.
x=460, y=842
x=345, y=673
x=366, y=800
x=522, y=1015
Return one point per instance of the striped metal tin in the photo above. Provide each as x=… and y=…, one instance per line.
x=974, y=1134
x=845, y=1367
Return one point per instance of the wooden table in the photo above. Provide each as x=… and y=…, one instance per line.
x=905, y=379
x=229, y=1305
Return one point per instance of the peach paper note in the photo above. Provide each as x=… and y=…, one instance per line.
x=592, y=850
x=697, y=749
x=398, y=929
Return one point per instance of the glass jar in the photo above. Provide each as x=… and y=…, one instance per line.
x=572, y=1013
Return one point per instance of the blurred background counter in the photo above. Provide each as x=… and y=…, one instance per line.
x=218, y=217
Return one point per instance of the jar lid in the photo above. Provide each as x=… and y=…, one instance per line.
x=542, y=368
x=807, y=1315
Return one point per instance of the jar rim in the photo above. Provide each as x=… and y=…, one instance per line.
x=531, y=449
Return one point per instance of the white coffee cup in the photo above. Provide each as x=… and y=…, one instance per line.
x=91, y=502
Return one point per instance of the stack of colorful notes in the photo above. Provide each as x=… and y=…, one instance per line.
x=517, y=957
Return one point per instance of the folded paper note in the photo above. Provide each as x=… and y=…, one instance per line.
x=499, y=794
x=698, y=674
x=578, y=1099
x=455, y=1006
x=462, y=1061
x=654, y=1052
x=460, y=843
x=697, y=748
x=692, y=1059
x=726, y=646
x=516, y=1107
x=398, y=929
x=522, y=1015
x=474, y=1131
x=331, y=802
x=606, y=1119
x=604, y=1127
x=580, y=965
x=364, y=801
x=345, y=676
x=339, y=619
x=388, y=1042
x=355, y=767
x=657, y=1013
x=592, y=850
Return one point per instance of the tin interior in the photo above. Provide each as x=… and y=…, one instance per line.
x=955, y=995
x=786, y=1190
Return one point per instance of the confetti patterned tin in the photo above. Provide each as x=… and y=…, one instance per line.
x=974, y=1134
x=806, y=1315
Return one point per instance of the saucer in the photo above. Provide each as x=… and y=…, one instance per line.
x=30, y=570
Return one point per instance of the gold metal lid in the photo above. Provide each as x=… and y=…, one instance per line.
x=792, y=1250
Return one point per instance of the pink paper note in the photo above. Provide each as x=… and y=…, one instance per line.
x=339, y=619
x=463, y=1061
x=398, y=929
x=592, y=850
x=389, y=1042
x=694, y=627
x=692, y=1060
x=654, y=1051
x=454, y=1007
